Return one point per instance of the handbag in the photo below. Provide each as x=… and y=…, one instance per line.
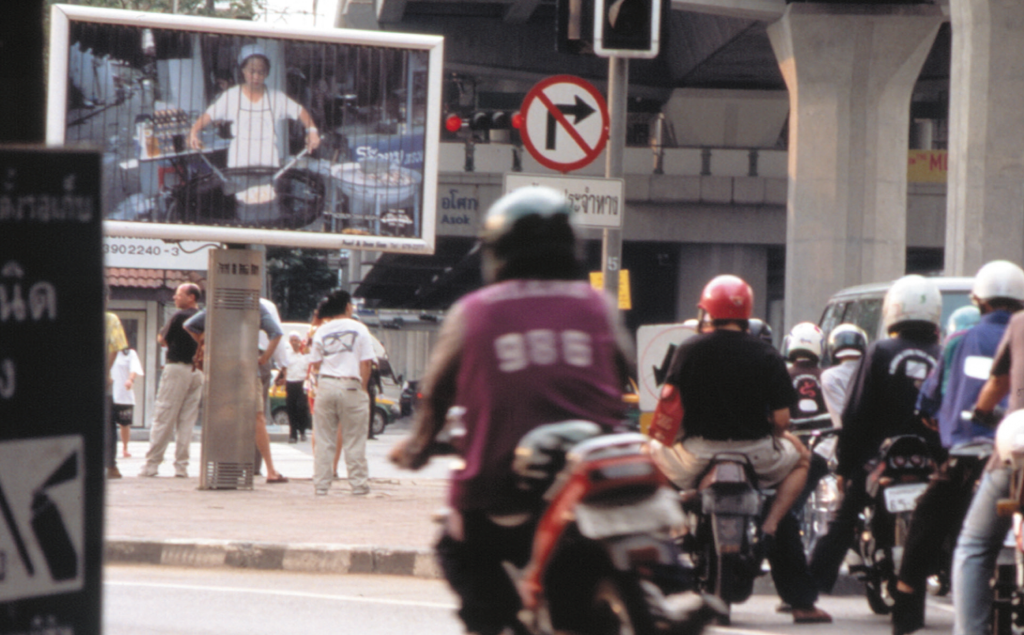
x=667, y=422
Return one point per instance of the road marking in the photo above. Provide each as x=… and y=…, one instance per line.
x=294, y=594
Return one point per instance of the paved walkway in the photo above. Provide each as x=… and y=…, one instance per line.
x=167, y=520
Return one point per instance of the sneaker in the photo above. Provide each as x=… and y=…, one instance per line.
x=145, y=473
x=292, y=440
x=362, y=491
x=321, y=492
x=180, y=475
x=113, y=472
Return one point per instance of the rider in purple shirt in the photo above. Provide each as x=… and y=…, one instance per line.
x=536, y=346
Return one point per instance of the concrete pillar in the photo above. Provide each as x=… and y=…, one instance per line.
x=850, y=70
x=700, y=262
x=985, y=195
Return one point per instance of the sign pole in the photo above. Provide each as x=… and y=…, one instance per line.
x=611, y=244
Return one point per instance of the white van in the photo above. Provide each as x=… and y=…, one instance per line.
x=862, y=305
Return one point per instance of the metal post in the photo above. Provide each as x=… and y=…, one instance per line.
x=618, y=91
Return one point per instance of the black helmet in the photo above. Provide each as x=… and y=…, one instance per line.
x=528, y=233
x=849, y=339
x=760, y=328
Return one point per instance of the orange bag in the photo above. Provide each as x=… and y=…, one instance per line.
x=668, y=416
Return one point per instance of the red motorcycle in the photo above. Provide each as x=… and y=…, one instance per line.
x=603, y=559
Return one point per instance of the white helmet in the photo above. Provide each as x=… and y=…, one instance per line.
x=1010, y=438
x=999, y=279
x=912, y=298
x=805, y=338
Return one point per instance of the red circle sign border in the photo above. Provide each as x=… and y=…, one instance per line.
x=535, y=92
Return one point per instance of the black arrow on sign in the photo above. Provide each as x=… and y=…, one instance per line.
x=580, y=110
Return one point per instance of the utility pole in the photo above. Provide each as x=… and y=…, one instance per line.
x=611, y=244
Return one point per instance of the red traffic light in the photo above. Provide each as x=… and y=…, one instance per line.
x=453, y=123
x=517, y=121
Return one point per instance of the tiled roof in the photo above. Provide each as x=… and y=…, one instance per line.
x=151, y=278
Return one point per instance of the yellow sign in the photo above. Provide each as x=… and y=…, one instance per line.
x=625, y=301
x=927, y=166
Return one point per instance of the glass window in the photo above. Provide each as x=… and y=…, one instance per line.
x=867, y=314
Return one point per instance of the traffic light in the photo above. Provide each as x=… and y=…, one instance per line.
x=481, y=121
x=627, y=28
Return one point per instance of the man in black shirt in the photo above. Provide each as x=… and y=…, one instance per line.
x=883, y=395
x=181, y=387
x=736, y=396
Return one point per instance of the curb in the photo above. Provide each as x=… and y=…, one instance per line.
x=308, y=558
x=324, y=559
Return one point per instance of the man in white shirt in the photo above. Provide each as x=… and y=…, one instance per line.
x=341, y=357
x=292, y=377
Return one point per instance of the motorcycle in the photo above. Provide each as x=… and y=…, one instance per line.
x=896, y=478
x=722, y=535
x=603, y=558
x=823, y=499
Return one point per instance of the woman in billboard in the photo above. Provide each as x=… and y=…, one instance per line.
x=255, y=110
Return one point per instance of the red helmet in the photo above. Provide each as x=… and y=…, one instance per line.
x=727, y=298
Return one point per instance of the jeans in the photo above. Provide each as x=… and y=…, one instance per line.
x=974, y=560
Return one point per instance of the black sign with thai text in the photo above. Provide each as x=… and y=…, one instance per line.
x=52, y=385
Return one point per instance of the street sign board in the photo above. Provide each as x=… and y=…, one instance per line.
x=656, y=344
x=160, y=93
x=565, y=122
x=598, y=202
x=52, y=380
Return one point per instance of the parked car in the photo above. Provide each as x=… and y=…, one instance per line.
x=385, y=410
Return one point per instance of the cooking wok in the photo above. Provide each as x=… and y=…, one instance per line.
x=251, y=197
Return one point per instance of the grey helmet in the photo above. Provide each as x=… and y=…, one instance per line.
x=528, y=233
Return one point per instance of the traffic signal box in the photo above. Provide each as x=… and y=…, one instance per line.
x=619, y=28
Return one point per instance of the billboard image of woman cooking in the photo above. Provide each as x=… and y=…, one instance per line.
x=232, y=131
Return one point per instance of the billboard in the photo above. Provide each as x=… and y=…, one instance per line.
x=237, y=132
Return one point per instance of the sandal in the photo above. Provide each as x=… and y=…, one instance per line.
x=280, y=478
x=812, y=615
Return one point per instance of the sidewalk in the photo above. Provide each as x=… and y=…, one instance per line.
x=170, y=521
x=167, y=520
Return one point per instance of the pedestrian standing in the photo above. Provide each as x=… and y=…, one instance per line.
x=123, y=373
x=342, y=355
x=116, y=341
x=181, y=388
x=293, y=377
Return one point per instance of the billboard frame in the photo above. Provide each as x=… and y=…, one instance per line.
x=57, y=110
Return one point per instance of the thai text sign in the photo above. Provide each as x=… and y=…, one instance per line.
x=598, y=202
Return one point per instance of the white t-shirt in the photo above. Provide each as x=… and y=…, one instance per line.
x=254, y=124
x=340, y=345
x=297, y=366
x=835, y=388
x=120, y=371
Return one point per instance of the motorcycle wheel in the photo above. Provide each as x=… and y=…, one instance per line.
x=378, y=423
x=880, y=583
x=616, y=610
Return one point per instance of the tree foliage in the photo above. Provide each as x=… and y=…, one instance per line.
x=298, y=279
x=236, y=9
